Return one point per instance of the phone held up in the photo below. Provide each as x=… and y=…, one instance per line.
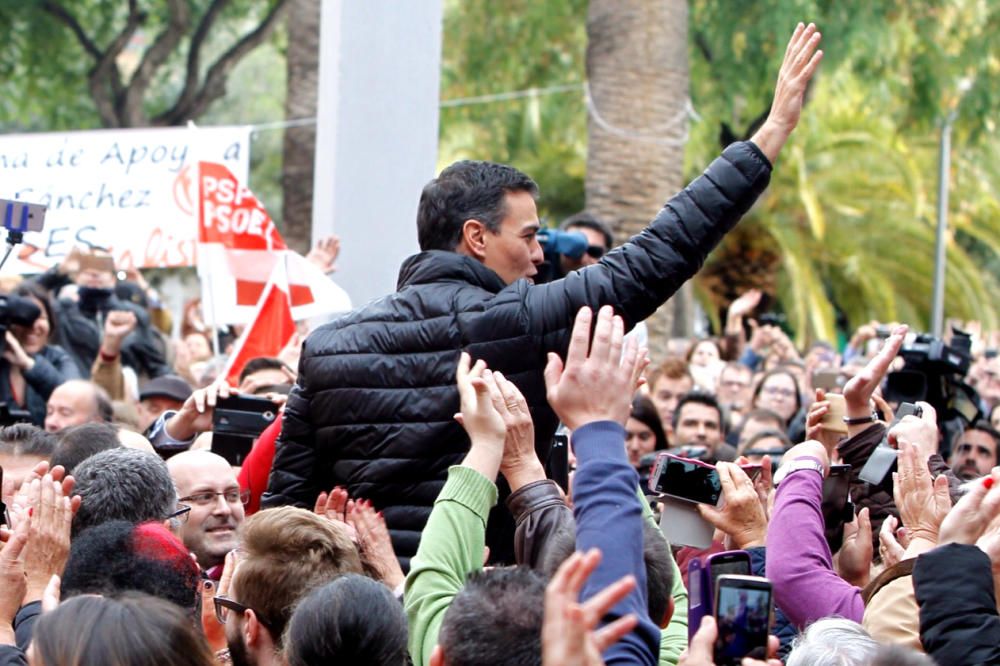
x=743, y=617
x=702, y=579
x=237, y=421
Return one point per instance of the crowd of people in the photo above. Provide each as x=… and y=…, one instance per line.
x=414, y=501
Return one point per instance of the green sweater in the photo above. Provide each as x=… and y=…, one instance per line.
x=451, y=547
x=673, y=639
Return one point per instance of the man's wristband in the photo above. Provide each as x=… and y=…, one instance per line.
x=861, y=420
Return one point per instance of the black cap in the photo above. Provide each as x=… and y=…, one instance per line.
x=167, y=386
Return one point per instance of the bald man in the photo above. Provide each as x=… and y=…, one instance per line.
x=206, y=483
x=76, y=402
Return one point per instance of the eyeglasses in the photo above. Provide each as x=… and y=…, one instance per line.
x=232, y=496
x=777, y=391
x=224, y=604
x=595, y=251
x=181, y=514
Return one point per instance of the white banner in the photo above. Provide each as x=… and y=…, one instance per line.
x=133, y=192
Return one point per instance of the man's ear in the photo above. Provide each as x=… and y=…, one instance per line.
x=252, y=628
x=669, y=614
x=437, y=656
x=474, y=239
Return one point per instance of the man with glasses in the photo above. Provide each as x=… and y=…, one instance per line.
x=286, y=553
x=206, y=483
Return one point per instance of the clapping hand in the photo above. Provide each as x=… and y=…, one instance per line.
x=594, y=386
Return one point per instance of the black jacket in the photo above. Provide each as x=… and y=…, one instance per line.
x=53, y=366
x=373, y=406
x=958, y=614
x=80, y=334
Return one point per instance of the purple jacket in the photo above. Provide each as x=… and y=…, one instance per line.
x=799, y=563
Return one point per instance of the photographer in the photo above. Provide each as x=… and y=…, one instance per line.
x=31, y=368
x=82, y=322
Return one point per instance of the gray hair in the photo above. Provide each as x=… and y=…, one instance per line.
x=833, y=641
x=123, y=484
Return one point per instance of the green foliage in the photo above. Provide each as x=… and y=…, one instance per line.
x=516, y=45
x=851, y=207
x=44, y=68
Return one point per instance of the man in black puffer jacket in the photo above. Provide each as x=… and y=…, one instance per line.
x=373, y=407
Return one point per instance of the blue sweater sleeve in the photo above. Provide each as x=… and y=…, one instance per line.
x=609, y=517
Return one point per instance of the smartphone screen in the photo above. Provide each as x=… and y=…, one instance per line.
x=836, y=491
x=734, y=563
x=743, y=615
x=688, y=479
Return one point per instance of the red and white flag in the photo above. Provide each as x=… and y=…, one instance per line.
x=239, y=247
x=270, y=330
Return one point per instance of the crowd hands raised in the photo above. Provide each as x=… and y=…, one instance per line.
x=119, y=510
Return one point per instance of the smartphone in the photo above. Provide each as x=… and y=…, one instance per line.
x=837, y=506
x=702, y=581
x=685, y=479
x=558, y=462
x=699, y=601
x=4, y=520
x=236, y=422
x=882, y=461
x=828, y=379
x=743, y=616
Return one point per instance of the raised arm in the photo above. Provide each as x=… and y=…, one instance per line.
x=639, y=276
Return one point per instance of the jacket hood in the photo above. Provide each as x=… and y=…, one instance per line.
x=442, y=266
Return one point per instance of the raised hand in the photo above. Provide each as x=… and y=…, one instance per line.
x=570, y=636
x=520, y=464
x=921, y=432
x=802, y=57
x=117, y=326
x=972, y=514
x=481, y=420
x=195, y=415
x=742, y=517
x=594, y=386
x=701, y=651
x=48, y=535
x=923, y=502
x=890, y=550
x=858, y=391
x=375, y=543
x=324, y=253
x=854, y=559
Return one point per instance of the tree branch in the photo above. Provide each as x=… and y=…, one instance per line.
x=214, y=86
x=64, y=15
x=131, y=107
x=176, y=113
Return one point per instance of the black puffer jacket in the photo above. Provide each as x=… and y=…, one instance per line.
x=372, y=410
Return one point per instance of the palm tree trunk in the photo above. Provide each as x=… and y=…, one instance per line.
x=637, y=68
x=300, y=142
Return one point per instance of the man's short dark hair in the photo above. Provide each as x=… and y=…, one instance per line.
x=467, y=190
x=352, y=620
x=25, y=439
x=585, y=220
x=763, y=415
x=698, y=398
x=561, y=543
x=496, y=618
x=79, y=442
x=982, y=425
x=260, y=363
x=123, y=484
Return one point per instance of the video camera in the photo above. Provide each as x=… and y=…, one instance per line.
x=935, y=373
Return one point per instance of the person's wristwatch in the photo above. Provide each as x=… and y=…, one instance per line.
x=795, y=465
